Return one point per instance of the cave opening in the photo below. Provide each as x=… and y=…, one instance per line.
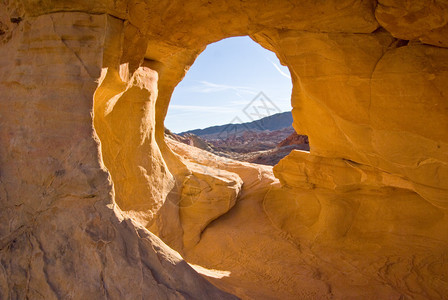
x=363, y=216
x=235, y=102
x=178, y=193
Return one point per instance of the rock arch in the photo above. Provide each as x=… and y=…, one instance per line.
x=66, y=165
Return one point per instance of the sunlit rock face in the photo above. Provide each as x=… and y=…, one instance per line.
x=87, y=179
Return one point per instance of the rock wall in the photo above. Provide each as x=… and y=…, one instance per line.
x=84, y=167
x=62, y=234
x=380, y=98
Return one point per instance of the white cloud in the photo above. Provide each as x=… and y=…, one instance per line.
x=280, y=70
x=209, y=87
x=198, y=108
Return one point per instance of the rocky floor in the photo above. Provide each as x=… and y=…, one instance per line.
x=283, y=243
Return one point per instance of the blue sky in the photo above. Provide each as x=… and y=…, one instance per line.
x=223, y=81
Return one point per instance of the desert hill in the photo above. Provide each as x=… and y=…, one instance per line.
x=263, y=141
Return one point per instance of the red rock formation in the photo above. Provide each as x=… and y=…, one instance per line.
x=294, y=139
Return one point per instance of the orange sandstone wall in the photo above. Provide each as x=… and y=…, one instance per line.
x=85, y=169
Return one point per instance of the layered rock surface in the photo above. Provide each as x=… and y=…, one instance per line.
x=85, y=170
x=62, y=234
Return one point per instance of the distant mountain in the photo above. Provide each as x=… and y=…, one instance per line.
x=264, y=141
x=270, y=123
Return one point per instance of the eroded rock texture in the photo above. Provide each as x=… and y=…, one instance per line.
x=62, y=234
x=86, y=175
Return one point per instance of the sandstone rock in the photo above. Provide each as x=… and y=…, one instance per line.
x=375, y=236
x=358, y=210
x=62, y=234
x=85, y=170
x=422, y=20
x=206, y=195
x=301, y=169
x=345, y=182
x=343, y=63
x=413, y=118
x=357, y=121
x=335, y=227
x=210, y=191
